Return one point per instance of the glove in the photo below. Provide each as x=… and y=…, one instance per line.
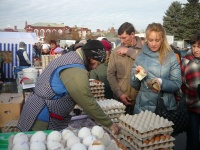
x=154, y=84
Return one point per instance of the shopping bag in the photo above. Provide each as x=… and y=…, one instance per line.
x=179, y=116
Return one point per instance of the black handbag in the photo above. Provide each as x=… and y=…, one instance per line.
x=179, y=116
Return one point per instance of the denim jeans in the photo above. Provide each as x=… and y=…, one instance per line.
x=193, y=140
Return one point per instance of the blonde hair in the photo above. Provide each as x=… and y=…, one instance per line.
x=164, y=47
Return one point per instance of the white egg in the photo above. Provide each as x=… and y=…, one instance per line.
x=20, y=146
x=38, y=136
x=52, y=145
x=54, y=136
x=37, y=146
x=20, y=137
x=97, y=145
x=68, y=135
x=88, y=140
x=73, y=140
x=83, y=132
x=97, y=131
x=65, y=131
x=78, y=146
x=106, y=139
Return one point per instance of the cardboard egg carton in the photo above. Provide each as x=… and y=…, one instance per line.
x=108, y=104
x=46, y=59
x=96, y=88
x=145, y=121
x=115, y=120
x=133, y=145
x=96, y=83
x=96, y=95
x=112, y=108
x=97, y=91
x=156, y=139
x=146, y=135
x=114, y=115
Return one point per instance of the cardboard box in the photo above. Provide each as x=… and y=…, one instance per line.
x=10, y=107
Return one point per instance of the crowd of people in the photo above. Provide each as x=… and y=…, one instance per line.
x=65, y=81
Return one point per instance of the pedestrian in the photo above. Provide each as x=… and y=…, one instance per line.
x=158, y=62
x=120, y=63
x=45, y=49
x=53, y=46
x=190, y=71
x=100, y=72
x=61, y=85
x=22, y=55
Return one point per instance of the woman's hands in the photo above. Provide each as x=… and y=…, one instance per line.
x=140, y=73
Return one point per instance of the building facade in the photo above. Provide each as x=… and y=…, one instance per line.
x=43, y=29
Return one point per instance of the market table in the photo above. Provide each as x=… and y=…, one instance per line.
x=76, y=123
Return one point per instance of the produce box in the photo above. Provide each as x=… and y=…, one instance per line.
x=10, y=107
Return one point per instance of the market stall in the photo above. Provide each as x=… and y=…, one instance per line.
x=9, y=44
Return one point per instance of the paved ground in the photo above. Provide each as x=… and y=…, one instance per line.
x=180, y=142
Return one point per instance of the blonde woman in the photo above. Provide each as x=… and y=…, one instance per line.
x=158, y=62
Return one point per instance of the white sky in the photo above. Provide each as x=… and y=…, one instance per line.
x=92, y=14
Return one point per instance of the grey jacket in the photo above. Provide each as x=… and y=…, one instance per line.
x=169, y=73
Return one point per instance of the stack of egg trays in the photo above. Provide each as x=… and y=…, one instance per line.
x=97, y=89
x=46, y=59
x=143, y=130
x=113, y=108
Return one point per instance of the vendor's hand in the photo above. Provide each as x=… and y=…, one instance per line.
x=115, y=128
x=125, y=99
x=139, y=69
x=122, y=51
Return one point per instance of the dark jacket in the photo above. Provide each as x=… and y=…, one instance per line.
x=22, y=61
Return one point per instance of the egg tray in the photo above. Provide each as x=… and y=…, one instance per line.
x=126, y=144
x=115, y=111
x=46, y=59
x=115, y=120
x=147, y=135
x=97, y=85
x=98, y=91
x=117, y=115
x=150, y=146
x=108, y=104
x=99, y=95
x=131, y=147
x=145, y=121
x=97, y=88
x=148, y=142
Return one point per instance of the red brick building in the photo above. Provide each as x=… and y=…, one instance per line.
x=42, y=29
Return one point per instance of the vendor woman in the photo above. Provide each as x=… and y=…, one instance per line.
x=63, y=84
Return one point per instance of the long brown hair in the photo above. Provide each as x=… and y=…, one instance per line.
x=164, y=48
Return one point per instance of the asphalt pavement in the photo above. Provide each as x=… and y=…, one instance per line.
x=180, y=142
